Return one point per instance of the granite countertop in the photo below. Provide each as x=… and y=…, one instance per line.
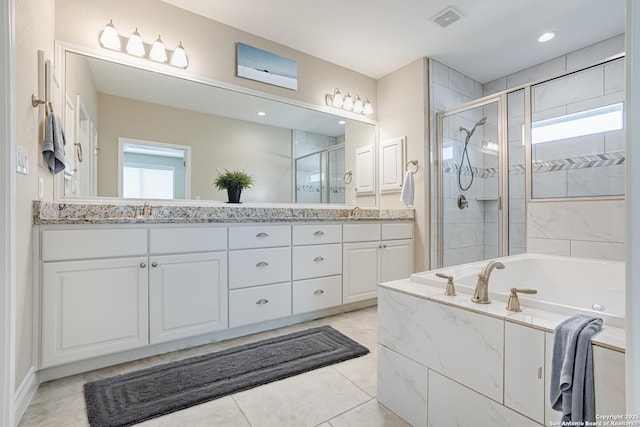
x=105, y=213
x=611, y=337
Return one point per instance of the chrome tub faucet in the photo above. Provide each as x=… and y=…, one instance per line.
x=481, y=294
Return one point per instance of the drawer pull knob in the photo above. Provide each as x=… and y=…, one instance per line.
x=143, y=265
x=262, y=235
x=318, y=233
x=154, y=264
x=318, y=292
x=262, y=301
x=318, y=259
x=262, y=264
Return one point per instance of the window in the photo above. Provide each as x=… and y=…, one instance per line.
x=597, y=120
x=145, y=182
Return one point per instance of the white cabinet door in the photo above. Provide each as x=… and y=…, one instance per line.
x=365, y=170
x=360, y=271
x=396, y=260
x=187, y=295
x=391, y=165
x=92, y=308
x=524, y=353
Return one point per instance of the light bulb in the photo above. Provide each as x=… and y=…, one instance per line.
x=337, y=99
x=357, y=105
x=109, y=38
x=158, y=51
x=179, y=57
x=348, y=102
x=134, y=45
x=368, y=108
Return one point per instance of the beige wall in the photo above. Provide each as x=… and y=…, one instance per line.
x=79, y=81
x=216, y=143
x=35, y=31
x=211, y=46
x=402, y=112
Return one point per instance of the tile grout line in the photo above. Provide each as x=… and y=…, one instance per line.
x=241, y=410
x=352, y=382
x=345, y=412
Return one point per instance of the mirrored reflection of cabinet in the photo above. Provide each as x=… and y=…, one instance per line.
x=365, y=170
x=391, y=165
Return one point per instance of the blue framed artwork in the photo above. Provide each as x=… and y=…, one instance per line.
x=266, y=67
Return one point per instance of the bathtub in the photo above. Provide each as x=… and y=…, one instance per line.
x=565, y=285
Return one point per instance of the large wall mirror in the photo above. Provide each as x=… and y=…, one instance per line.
x=136, y=133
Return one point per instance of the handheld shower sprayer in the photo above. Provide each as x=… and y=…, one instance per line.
x=465, y=153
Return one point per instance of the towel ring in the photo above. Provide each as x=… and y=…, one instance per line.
x=79, y=152
x=414, y=163
x=348, y=177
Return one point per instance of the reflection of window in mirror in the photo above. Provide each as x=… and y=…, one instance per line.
x=153, y=170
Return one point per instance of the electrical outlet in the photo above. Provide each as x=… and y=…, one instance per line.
x=22, y=165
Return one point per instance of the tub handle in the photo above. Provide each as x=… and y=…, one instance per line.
x=514, y=303
x=451, y=289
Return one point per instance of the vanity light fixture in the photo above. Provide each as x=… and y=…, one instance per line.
x=135, y=46
x=348, y=102
x=158, y=51
x=109, y=38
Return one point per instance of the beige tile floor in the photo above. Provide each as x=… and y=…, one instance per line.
x=339, y=395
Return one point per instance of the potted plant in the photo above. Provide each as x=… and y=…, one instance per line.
x=234, y=182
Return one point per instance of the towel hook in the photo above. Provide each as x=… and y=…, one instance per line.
x=348, y=177
x=37, y=101
x=414, y=163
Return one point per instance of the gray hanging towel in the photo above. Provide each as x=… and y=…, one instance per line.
x=571, y=386
x=54, y=142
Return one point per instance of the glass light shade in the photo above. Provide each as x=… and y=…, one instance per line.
x=158, y=51
x=337, y=99
x=348, y=102
x=109, y=38
x=179, y=57
x=134, y=45
x=357, y=105
x=368, y=108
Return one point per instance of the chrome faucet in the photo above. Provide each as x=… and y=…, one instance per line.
x=481, y=294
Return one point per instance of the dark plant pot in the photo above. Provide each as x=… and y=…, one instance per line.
x=234, y=195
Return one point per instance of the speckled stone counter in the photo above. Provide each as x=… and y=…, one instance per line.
x=95, y=213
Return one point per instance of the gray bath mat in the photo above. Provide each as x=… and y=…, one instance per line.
x=134, y=397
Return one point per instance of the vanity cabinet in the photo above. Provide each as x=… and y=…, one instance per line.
x=94, y=293
x=374, y=253
x=524, y=384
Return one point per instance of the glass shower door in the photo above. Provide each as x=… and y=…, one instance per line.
x=309, y=183
x=469, y=202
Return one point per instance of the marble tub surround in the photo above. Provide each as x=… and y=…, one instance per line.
x=106, y=213
x=611, y=337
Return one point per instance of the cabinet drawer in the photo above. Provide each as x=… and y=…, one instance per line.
x=259, y=267
x=317, y=234
x=175, y=240
x=60, y=245
x=259, y=236
x=317, y=261
x=316, y=294
x=360, y=232
x=253, y=305
x=397, y=231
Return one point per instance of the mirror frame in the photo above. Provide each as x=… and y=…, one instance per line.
x=59, y=74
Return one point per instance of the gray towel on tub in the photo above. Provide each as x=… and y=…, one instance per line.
x=53, y=145
x=571, y=386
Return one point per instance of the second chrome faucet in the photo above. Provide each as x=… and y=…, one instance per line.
x=481, y=294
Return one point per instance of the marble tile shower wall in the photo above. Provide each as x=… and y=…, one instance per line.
x=464, y=230
x=592, y=229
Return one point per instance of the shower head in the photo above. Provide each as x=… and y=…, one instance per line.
x=480, y=122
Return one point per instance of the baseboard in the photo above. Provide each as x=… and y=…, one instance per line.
x=25, y=393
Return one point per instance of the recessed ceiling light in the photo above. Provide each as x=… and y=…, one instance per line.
x=262, y=113
x=545, y=37
x=342, y=122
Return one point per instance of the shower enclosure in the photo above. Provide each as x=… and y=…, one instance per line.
x=480, y=213
x=319, y=167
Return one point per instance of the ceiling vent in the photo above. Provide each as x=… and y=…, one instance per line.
x=447, y=17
